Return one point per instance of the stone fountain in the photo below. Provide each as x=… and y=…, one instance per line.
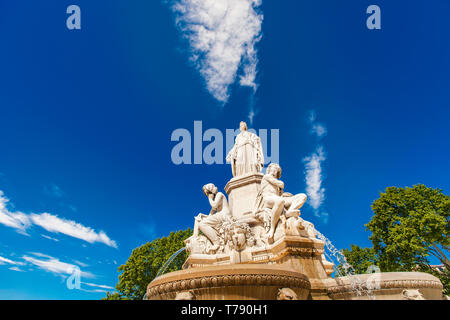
x=255, y=246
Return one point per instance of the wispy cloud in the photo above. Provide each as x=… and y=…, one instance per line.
x=317, y=129
x=314, y=189
x=102, y=286
x=222, y=36
x=253, y=111
x=4, y=260
x=54, y=265
x=17, y=220
x=53, y=190
x=81, y=264
x=314, y=169
x=50, y=238
x=16, y=269
x=52, y=223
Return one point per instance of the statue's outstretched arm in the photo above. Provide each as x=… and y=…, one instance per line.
x=272, y=180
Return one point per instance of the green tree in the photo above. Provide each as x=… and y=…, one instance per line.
x=410, y=225
x=360, y=258
x=145, y=262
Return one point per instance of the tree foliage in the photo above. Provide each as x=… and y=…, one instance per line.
x=145, y=262
x=360, y=258
x=410, y=225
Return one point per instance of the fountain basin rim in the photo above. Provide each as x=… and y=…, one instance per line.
x=228, y=275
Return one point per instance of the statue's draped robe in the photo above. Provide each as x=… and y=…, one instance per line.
x=246, y=155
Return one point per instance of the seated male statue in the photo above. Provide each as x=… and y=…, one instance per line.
x=220, y=213
x=272, y=197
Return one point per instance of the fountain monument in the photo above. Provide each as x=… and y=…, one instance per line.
x=254, y=245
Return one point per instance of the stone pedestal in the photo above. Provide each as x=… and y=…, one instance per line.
x=302, y=257
x=230, y=282
x=242, y=193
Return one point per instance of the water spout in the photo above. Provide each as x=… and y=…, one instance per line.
x=168, y=262
x=359, y=286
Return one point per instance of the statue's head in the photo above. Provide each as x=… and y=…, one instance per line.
x=243, y=126
x=412, y=294
x=239, y=239
x=210, y=188
x=185, y=295
x=286, y=294
x=274, y=169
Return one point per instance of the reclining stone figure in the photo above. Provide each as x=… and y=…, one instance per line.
x=271, y=196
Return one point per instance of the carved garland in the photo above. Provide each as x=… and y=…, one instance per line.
x=229, y=280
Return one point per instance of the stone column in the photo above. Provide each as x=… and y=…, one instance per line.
x=242, y=193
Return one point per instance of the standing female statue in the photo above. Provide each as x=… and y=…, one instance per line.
x=246, y=156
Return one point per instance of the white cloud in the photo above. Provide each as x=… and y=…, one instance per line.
x=319, y=130
x=54, y=265
x=53, y=223
x=53, y=190
x=50, y=238
x=222, y=36
x=253, y=111
x=314, y=189
x=312, y=116
x=4, y=260
x=314, y=170
x=98, y=285
x=16, y=269
x=94, y=290
x=17, y=220
x=81, y=264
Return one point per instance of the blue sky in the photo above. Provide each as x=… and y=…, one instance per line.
x=87, y=116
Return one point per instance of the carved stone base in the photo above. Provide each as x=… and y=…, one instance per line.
x=297, y=253
x=388, y=286
x=242, y=193
x=231, y=282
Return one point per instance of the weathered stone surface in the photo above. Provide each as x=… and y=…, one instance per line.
x=230, y=282
x=258, y=247
x=391, y=286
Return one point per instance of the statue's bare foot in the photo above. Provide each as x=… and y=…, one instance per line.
x=292, y=213
x=299, y=225
x=213, y=248
x=269, y=238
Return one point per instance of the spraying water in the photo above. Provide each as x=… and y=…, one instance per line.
x=359, y=286
x=168, y=262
